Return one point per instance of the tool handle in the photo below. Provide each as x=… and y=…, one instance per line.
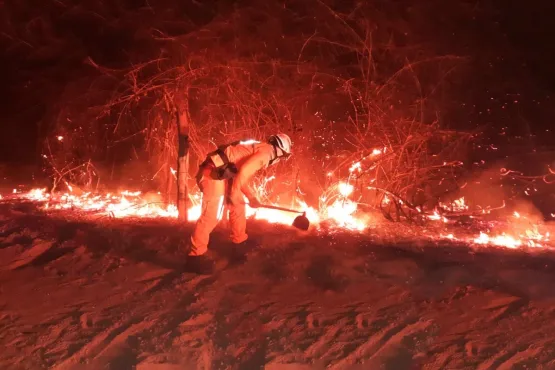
x=279, y=208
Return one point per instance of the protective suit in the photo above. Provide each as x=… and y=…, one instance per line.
x=247, y=160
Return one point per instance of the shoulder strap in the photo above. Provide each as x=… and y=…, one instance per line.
x=218, y=156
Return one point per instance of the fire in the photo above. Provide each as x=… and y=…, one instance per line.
x=521, y=232
x=499, y=240
x=337, y=209
x=458, y=205
x=436, y=216
x=345, y=189
x=342, y=212
x=135, y=204
x=123, y=204
x=377, y=152
x=355, y=167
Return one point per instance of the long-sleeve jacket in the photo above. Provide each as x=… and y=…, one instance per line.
x=249, y=159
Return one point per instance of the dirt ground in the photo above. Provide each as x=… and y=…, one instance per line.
x=110, y=294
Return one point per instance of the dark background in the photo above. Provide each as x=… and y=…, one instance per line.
x=516, y=60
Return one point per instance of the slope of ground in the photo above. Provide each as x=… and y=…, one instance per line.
x=109, y=294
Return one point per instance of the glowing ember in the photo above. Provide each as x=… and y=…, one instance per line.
x=436, y=216
x=135, y=204
x=337, y=209
x=37, y=194
x=376, y=152
x=499, y=240
x=458, y=205
x=124, y=204
x=342, y=212
x=355, y=167
x=345, y=189
x=386, y=199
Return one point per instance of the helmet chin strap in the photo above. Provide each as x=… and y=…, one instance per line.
x=276, y=158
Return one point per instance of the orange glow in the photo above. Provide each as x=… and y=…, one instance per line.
x=345, y=189
x=341, y=213
x=135, y=204
x=337, y=209
x=499, y=240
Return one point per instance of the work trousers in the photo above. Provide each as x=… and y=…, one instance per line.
x=213, y=199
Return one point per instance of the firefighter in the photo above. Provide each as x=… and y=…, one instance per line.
x=224, y=176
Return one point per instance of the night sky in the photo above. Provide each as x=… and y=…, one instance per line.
x=29, y=89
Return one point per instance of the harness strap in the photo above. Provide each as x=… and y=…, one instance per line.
x=218, y=157
x=275, y=156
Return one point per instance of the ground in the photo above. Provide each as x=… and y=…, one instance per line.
x=99, y=293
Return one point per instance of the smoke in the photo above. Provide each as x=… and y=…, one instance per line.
x=491, y=191
x=485, y=190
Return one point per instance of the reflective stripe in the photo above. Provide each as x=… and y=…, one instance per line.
x=217, y=160
x=221, y=208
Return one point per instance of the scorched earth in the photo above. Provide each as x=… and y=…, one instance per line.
x=80, y=291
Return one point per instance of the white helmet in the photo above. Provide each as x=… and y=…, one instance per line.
x=282, y=141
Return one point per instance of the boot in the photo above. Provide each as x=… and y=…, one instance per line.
x=201, y=265
x=239, y=252
x=249, y=245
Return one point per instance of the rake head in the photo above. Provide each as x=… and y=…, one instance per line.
x=301, y=222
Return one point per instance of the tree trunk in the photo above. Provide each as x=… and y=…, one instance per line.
x=182, y=162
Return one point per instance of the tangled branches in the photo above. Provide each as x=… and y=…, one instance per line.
x=547, y=178
x=332, y=78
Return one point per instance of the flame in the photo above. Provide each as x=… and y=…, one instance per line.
x=124, y=204
x=522, y=233
x=355, y=167
x=345, y=189
x=128, y=203
x=341, y=213
x=458, y=205
x=376, y=152
x=337, y=209
x=499, y=240
x=436, y=216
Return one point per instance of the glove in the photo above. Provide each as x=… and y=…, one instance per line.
x=254, y=203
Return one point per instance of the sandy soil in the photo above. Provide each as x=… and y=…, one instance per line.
x=108, y=294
